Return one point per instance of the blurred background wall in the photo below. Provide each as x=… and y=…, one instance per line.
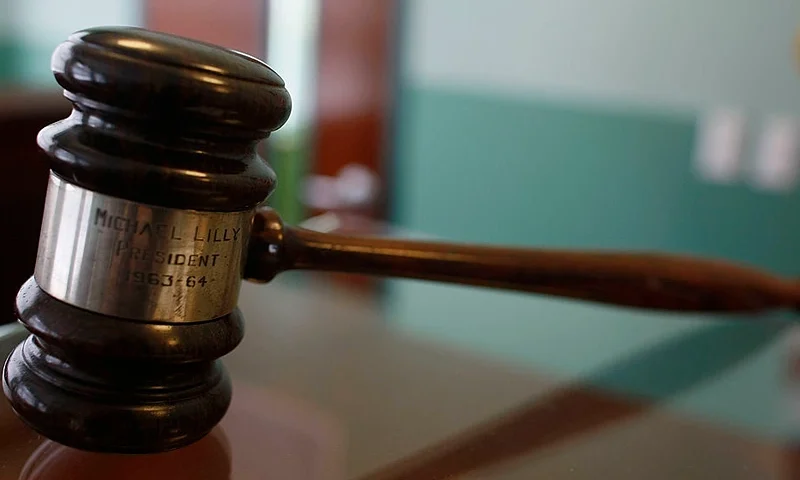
x=36, y=26
x=578, y=124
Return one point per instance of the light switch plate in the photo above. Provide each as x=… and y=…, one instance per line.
x=776, y=163
x=720, y=141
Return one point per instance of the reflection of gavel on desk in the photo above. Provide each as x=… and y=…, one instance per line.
x=153, y=218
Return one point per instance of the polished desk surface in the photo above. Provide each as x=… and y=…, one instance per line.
x=324, y=389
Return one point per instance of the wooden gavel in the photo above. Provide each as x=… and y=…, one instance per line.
x=153, y=218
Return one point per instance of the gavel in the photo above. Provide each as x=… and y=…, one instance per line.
x=155, y=214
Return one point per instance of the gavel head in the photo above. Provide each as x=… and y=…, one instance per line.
x=155, y=178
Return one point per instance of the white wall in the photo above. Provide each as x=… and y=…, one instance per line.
x=38, y=26
x=676, y=53
x=47, y=21
x=291, y=51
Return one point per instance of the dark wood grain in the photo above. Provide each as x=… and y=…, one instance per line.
x=164, y=120
x=643, y=280
x=160, y=120
x=110, y=385
x=209, y=459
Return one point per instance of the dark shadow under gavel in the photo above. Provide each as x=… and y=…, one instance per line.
x=153, y=219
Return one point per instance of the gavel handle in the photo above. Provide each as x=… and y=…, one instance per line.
x=642, y=280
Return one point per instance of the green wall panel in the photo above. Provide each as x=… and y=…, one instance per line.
x=496, y=169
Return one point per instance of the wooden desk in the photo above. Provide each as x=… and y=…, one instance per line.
x=325, y=390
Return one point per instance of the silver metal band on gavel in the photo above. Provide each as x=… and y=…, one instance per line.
x=140, y=262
